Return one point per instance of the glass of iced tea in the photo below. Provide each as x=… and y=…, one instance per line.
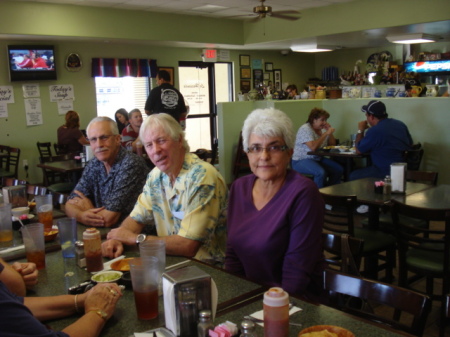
x=44, y=208
x=33, y=239
x=6, y=231
x=145, y=278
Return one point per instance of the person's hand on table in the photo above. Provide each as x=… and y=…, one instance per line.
x=81, y=201
x=103, y=296
x=123, y=235
x=28, y=272
x=92, y=218
x=112, y=248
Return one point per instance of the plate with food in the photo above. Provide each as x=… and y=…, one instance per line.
x=122, y=265
x=325, y=331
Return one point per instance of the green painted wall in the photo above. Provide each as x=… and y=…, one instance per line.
x=426, y=119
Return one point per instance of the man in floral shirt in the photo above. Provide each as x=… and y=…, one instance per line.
x=184, y=196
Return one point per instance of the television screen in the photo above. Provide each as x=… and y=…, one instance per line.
x=27, y=63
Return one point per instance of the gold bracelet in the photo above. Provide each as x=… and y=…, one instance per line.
x=103, y=315
x=76, y=304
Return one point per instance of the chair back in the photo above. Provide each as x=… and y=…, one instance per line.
x=343, y=252
x=60, y=149
x=12, y=163
x=340, y=218
x=427, y=177
x=4, y=160
x=45, y=149
x=406, y=302
x=414, y=157
x=51, y=177
x=33, y=190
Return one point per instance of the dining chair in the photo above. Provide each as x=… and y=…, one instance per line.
x=45, y=149
x=413, y=157
x=241, y=164
x=11, y=167
x=340, y=220
x=412, y=306
x=424, y=252
x=56, y=181
x=342, y=252
x=60, y=149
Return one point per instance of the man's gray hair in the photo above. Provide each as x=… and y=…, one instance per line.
x=268, y=123
x=112, y=124
x=167, y=123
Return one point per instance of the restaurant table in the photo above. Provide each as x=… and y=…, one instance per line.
x=237, y=297
x=365, y=193
x=70, y=167
x=348, y=156
x=433, y=198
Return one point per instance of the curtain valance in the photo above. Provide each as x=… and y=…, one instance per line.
x=113, y=67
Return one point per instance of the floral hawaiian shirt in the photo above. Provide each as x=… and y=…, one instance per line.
x=194, y=207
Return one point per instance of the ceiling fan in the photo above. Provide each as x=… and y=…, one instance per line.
x=263, y=11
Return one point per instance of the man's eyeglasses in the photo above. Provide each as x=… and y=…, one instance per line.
x=256, y=149
x=101, y=138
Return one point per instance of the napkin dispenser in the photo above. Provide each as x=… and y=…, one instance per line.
x=15, y=195
x=398, y=177
x=187, y=291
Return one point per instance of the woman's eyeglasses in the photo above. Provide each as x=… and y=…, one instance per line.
x=256, y=149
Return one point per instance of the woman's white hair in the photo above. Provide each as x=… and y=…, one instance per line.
x=268, y=123
x=169, y=124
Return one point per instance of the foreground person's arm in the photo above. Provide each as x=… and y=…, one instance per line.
x=12, y=279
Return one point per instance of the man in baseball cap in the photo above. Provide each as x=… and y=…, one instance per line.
x=386, y=140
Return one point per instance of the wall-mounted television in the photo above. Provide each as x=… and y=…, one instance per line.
x=31, y=63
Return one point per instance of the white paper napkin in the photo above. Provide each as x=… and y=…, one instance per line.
x=260, y=314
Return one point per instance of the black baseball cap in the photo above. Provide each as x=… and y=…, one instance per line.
x=376, y=108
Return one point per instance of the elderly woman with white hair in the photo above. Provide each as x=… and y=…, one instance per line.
x=275, y=215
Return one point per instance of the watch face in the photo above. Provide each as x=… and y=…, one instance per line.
x=140, y=238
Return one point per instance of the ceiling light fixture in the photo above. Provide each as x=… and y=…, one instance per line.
x=412, y=38
x=312, y=48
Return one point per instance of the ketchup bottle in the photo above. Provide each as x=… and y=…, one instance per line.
x=93, y=250
x=276, y=313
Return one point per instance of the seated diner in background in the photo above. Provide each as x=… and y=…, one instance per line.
x=291, y=91
x=275, y=215
x=130, y=134
x=111, y=182
x=22, y=316
x=316, y=133
x=386, y=140
x=184, y=197
x=70, y=135
x=121, y=117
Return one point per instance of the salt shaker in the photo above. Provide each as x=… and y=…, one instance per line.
x=93, y=250
x=387, y=188
x=79, y=254
x=276, y=313
x=248, y=329
x=205, y=323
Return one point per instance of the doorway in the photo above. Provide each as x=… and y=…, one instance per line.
x=203, y=85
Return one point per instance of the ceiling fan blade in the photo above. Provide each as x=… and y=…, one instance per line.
x=284, y=17
x=287, y=12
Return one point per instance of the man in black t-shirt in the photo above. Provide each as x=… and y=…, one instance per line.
x=165, y=98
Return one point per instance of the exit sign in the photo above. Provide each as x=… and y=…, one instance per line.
x=210, y=55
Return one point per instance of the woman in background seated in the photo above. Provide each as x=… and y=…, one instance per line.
x=21, y=316
x=292, y=91
x=313, y=135
x=70, y=135
x=121, y=119
x=275, y=215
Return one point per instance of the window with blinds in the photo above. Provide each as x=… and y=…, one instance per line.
x=114, y=93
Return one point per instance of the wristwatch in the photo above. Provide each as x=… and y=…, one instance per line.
x=360, y=131
x=140, y=238
x=103, y=315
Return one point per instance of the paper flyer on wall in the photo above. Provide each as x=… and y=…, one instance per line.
x=31, y=90
x=6, y=94
x=33, y=111
x=64, y=106
x=3, y=110
x=61, y=92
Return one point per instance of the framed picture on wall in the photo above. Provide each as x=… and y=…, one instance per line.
x=266, y=76
x=171, y=72
x=244, y=60
x=277, y=79
x=268, y=66
x=257, y=77
x=245, y=86
x=246, y=73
